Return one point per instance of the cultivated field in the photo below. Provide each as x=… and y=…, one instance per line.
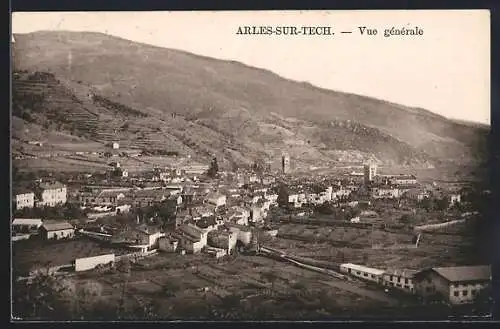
x=91, y=162
x=195, y=286
x=375, y=247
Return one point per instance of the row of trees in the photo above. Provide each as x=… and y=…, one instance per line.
x=66, y=211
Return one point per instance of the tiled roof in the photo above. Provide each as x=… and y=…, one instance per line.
x=51, y=185
x=191, y=230
x=27, y=221
x=238, y=226
x=464, y=273
x=108, y=193
x=180, y=235
x=206, y=222
x=147, y=229
x=149, y=193
x=57, y=225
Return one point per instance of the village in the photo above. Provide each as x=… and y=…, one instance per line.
x=342, y=226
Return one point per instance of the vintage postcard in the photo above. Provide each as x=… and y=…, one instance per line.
x=250, y=166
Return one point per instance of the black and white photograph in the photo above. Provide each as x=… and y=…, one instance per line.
x=250, y=166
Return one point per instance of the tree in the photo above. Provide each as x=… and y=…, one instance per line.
x=365, y=258
x=425, y=203
x=124, y=267
x=259, y=167
x=85, y=296
x=405, y=219
x=40, y=298
x=441, y=204
x=301, y=287
x=340, y=256
x=234, y=166
x=270, y=276
x=283, y=193
x=325, y=209
x=214, y=168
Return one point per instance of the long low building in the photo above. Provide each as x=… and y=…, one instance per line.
x=89, y=263
x=363, y=272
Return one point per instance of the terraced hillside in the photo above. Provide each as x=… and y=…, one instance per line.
x=153, y=97
x=41, y=98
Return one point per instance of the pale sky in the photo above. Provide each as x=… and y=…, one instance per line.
x=446, y=70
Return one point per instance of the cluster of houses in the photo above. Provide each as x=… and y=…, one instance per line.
x=24, y=228
x=299, y=195
x=397, y=186
x=218, y=237
x=455, y=285
x=208, y=216
x=42, y=194
x=219, y=217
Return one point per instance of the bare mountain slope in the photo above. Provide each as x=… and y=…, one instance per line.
x=207, y=106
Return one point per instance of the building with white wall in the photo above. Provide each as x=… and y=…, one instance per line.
x=89, y=263
x=168, y=244
x=369, y=172
x=400, y=279
x=455, y=285
x=403, y=180
x=24, y=199
x=51, y=194
x=217, y=199
x=243, y=233
x=191, y=238
x=362, y=272
x=57, y=230
x=285, y=164
x=223, y=239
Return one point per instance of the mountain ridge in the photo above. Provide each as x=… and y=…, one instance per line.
x=235, y=101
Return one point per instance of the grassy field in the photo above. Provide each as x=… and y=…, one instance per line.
x=29, y=253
